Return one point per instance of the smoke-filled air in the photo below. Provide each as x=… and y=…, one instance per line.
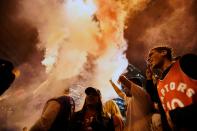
x=73, y=44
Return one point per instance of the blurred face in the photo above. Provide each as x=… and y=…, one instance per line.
x=92, y=99
x=155, y=59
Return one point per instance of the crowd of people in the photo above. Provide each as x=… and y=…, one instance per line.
x=166, y=101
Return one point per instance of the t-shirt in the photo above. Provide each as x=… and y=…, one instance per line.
x=138, y=110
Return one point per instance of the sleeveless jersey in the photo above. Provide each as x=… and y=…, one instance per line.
x=177, y=89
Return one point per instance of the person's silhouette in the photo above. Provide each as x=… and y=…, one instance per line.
x=6, y=75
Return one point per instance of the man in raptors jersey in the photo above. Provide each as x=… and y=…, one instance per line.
x=176, y=87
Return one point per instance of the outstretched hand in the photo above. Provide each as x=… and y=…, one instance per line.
x=116, y=88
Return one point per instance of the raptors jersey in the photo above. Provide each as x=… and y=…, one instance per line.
x=177, y=89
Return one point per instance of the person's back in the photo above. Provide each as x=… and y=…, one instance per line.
x=62, y=119
x=138, y=115
x=139, y=105
x=56, y=115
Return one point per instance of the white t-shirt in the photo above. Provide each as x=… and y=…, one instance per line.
x=138, y=115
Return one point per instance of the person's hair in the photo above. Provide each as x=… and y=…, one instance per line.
x=112, y=108
x=99, y=106
x=169, y=51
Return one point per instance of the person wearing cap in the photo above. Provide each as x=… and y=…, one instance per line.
x=139, y=106
x=56, y=114
x=92, y=116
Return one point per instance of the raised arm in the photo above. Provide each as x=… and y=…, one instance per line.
x=118, y=91
x=136, y=91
